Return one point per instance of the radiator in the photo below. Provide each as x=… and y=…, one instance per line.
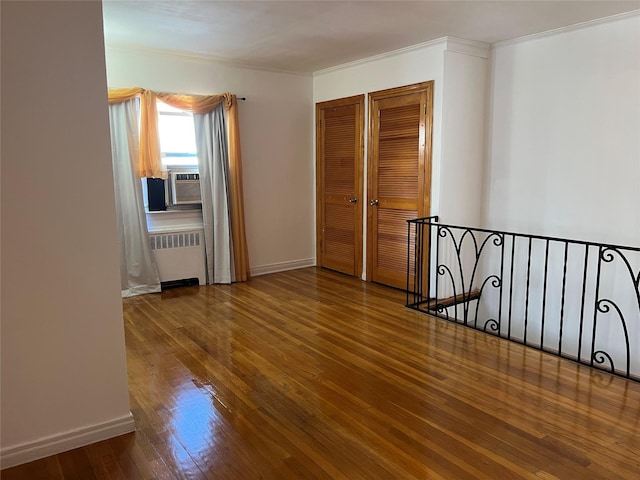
x=179, y=255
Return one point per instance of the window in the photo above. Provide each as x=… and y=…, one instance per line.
x=177, y=137
x=181, y=189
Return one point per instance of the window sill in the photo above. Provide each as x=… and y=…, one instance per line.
x=174, y=220
x=174, y=229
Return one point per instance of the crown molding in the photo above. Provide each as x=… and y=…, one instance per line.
x=569, y=28
x=392, y=53
x=468, y=47
x=197, y=58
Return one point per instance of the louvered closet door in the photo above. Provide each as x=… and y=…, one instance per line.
x=399, y=177
x=339, y=160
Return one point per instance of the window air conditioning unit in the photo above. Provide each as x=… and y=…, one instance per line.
x=184, y=187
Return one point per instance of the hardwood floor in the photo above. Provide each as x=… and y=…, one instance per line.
x=312, y=374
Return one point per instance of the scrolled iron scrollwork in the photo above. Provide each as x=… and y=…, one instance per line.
x=498, y=239
x=492, y=324
x=525, y=282
x=604, y=305
x=494, y=238
x=473, y=237
x=496, y=282
x=607, y=256
x=440, y=309
x=599, y=357
x=443, y=231
x=443, y=270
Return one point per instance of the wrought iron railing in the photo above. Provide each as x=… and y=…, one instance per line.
x=578, y=300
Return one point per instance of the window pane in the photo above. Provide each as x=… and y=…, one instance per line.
x=177, y=136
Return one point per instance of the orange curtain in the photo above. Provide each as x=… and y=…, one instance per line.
x=236, y=196
x=117, y=95
x=150, y=164
x=191, y=103
x=149, y=160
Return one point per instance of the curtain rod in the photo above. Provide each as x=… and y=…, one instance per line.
x=198, y=95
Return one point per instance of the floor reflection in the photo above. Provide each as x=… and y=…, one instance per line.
x=193, y=421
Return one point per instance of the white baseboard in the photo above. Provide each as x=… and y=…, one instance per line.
x=44, y=447
x=282, y=266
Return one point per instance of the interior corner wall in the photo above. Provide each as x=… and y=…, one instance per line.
x=276, y=139
x=64, y=378
x=564, y=143
x=462, y=143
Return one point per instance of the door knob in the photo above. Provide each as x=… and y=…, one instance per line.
x=353, y=200
x=373, y=203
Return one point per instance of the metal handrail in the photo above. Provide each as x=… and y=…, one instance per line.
x=576, y=299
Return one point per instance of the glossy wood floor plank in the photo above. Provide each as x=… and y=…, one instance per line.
x=312, y=374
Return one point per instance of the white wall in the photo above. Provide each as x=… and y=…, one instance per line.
x=563, y=159
x=462, y=141
x=276, y=133
x=64, y=379
x=564, y=133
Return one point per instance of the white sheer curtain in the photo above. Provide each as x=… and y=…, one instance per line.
x=138, y=272
x=213, y=161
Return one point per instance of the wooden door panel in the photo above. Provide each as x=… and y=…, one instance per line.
x=391, y=240
x=399, y=175
x=339, y=164
x=339, y=151
x=339, y=246
x=398, y=168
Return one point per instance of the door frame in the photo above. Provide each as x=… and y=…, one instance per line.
x=358, y=177
x=424, y=173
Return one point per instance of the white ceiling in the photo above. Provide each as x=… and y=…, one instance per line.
x=307, y=36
